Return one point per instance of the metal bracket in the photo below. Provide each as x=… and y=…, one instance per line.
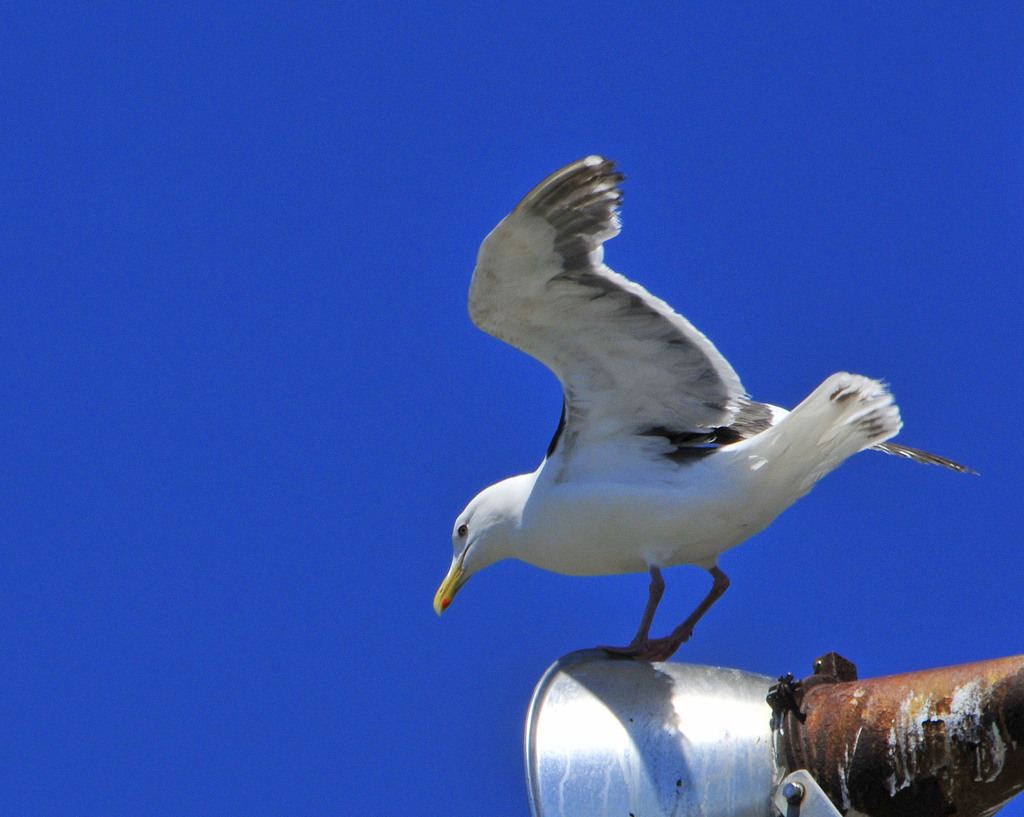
x=799, y=795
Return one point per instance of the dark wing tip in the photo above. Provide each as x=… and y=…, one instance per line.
x=575, y=173
x=590, y=184
x=580, y=202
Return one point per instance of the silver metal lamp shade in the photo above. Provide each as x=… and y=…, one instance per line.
x=612, y=737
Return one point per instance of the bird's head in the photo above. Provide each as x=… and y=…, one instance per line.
x=484, y=533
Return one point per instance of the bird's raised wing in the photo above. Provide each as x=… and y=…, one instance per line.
x=629, y=364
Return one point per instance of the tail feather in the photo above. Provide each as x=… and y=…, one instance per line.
x=917, y=455
x=856, y=412
x=845, y=414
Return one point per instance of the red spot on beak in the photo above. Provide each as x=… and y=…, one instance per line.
x=445, y=603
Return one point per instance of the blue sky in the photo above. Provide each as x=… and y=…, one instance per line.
x=243, y=401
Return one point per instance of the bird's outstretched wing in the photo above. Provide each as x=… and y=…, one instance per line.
x=629, y=364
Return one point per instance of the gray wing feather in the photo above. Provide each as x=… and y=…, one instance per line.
x=917, y=455
x=626, y=359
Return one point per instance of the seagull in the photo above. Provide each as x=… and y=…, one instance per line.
x=660, y=457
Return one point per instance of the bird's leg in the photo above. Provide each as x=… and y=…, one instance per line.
x=661, y=649
x=641, y=639
x=655, y=592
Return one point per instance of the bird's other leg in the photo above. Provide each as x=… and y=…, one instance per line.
x=661, y=649
x=655, y=592
x=641, y=639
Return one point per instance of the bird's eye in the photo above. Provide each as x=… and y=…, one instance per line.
x=463, y=530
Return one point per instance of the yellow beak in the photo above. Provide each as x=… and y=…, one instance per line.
x=450, y=586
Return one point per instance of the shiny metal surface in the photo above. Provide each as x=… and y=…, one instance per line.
x=612, y=737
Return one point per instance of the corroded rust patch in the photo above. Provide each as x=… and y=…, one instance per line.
x=944, y=741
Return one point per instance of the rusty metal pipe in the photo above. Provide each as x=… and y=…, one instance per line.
x=938, y=742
